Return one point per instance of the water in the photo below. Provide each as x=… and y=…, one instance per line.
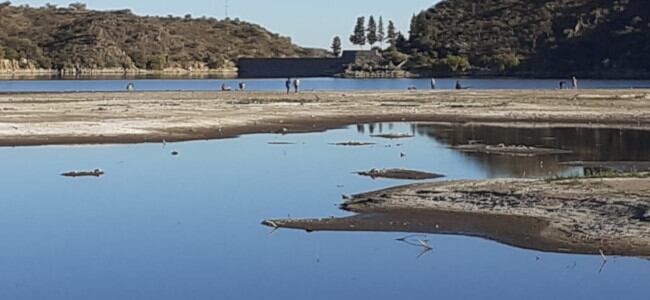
x=319, y=84
x=187, y=227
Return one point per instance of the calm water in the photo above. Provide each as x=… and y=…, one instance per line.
x=324, y=84
x=187, y=227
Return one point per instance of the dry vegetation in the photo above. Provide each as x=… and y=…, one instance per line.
x=77, y=39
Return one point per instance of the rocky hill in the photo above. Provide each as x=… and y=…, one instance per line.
x=78, y=40
x=598, y=38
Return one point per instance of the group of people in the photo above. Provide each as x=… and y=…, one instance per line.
x=227, y=88
x=295, y=83
x=574, y=84
x=458, y=85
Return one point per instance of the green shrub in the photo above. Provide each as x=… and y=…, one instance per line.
x=395, y=57
x=156, y=63
x=506, y=61
x=458, y=63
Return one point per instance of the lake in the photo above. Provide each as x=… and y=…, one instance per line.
x=158, y=226
x=308, y=84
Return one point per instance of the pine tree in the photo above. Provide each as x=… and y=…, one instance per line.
x=372, y=32
x=359, y=36
x=391, y=35
x=381, y=34
x=336, y=46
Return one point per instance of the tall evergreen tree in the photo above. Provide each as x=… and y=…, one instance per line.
x=358, y=37
x=401, y=42
x=336, y=46
x=372, y=31
x=381, y=33
x=391, y=35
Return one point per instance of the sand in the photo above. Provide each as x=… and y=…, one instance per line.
x=121, y=117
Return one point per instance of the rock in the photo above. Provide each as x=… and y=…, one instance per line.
x=400, y=174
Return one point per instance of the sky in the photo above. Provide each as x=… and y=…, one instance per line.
x=309, y=23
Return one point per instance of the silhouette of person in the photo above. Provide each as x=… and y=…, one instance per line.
x=287, y=84
x=296, y=85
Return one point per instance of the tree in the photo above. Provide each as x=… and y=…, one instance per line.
x=401, y=43
x=336, y=46
x=372, y=31
x=381, y=34
x=391, y=35
x=359, y=36
x=78, y=6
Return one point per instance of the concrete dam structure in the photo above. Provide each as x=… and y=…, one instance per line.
x=301, y=67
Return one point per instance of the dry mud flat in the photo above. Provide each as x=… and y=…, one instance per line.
x=121, y=117
x=578, y=215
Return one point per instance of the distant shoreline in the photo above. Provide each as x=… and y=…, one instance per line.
x=232, y=74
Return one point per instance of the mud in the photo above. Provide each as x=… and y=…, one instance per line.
x=573, y=215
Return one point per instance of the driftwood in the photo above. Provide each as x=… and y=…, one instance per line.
x=393, y=136
x=352, y=144
x=93, y=173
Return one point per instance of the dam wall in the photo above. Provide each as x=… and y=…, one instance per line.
x=300, y=67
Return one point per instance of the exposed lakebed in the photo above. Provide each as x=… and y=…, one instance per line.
x=164, y=227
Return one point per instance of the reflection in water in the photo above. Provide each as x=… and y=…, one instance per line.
x=587, y=144
x=186, y=227
x=524, y=232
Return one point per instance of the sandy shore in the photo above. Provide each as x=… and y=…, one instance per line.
x=78, y=118
x=575, y=215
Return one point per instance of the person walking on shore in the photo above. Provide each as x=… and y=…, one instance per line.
x=287, y=84
x=575, y=83
x=433, y=83
x=296, y=85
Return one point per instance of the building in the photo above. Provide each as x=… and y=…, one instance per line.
x=303, y=67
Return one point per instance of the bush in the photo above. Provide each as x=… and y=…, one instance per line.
x=395, y=57
x=458, y=63
x=156, y=63
x=506, y=61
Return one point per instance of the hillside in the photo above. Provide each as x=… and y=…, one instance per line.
x=599, y=38
x=77, y=40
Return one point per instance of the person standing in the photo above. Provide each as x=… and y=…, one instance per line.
x=458, y=85
x=287, y=84
x=433, y=83
x=296, y=85
x=575, y=83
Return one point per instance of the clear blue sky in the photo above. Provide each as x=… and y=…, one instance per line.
x=311, y=23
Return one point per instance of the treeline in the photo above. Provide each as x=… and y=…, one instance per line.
x=77, y=38
x=371, y=34
x=600, y=38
